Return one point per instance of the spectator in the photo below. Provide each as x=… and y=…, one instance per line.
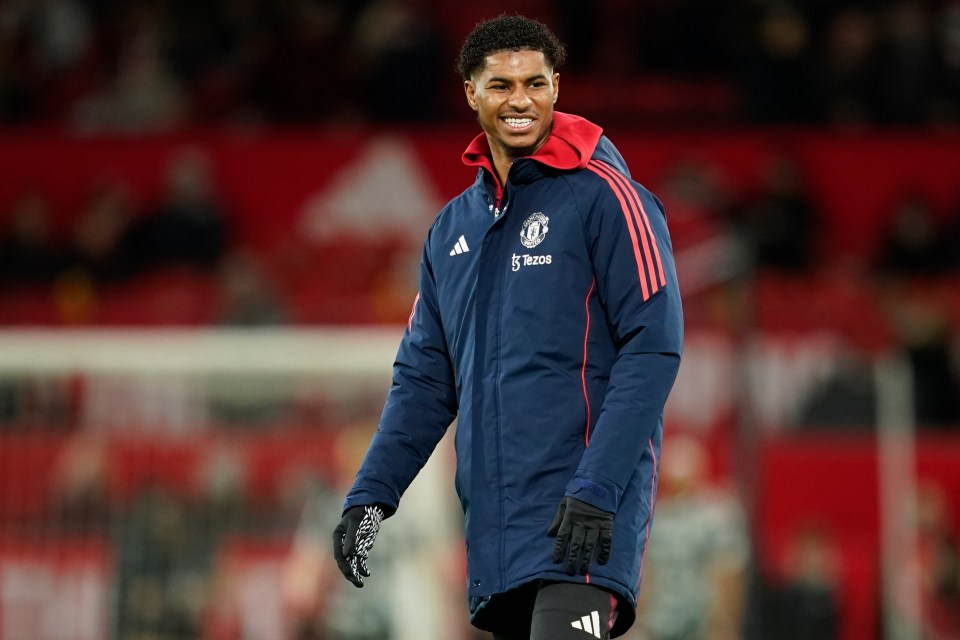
x=938, y=561
x=27, y=250
x=18, y=78
x=777, y=72
x=693, y=192
x=804, y=602
x=780, y=222
x=422, y=537
x=223, y=482
x=398, y=51
x=912, y=244
x=307, y=36
x=952, y=238
x=79, y=493
x=168, y=547
x=198, y=39
x=108, y=239
x=851, y=76
x=141, y=94
x=694, y=195
x=922, y=328
x=946, y=108
x=909, y=60
x=694, y=571
x=246, y=295
x=845, y=398
x=189, y=225
x=61, y=36
x=162, y=560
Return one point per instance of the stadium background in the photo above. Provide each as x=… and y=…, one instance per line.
x=210, y=216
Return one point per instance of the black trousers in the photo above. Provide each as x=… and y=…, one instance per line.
x=556, y=611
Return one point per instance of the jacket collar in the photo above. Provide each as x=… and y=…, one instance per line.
x=570, y=145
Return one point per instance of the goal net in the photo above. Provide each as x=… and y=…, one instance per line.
x=152, y=483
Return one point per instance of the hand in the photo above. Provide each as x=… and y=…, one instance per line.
x=352, y=540
x=579, y=527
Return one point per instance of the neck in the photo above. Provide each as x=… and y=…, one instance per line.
x=503, y=158
x=502, y=165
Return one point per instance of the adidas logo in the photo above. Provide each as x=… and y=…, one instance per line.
x=460, y=246
x=590, y=624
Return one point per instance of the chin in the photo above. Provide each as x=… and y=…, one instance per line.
x=521, y=145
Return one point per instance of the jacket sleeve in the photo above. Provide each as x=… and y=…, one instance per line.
x=421, y=404
x=636, y=283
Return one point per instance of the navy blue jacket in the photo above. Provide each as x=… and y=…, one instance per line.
x=548, y=322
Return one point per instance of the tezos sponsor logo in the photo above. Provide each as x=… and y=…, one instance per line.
x=534, y=230
x=527, y=260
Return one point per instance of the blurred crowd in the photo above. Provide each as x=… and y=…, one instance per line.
x=114, y=238
x=734, y=249
x=144, y=65
x=113, y=241
x=159, y=64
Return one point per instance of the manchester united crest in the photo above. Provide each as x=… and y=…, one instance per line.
x=534, y=230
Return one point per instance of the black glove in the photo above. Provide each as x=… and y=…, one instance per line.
x=352, y=540
x=578, y=527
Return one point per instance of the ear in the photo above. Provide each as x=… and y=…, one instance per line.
x=470, y=89
x=556, y=87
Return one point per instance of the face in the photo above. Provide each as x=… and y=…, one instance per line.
x=513, y=96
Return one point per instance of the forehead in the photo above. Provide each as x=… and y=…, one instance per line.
x=509, y=63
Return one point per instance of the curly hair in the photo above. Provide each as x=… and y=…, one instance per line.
x=508, y=33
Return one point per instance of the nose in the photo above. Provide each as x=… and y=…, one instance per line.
x=519, y=99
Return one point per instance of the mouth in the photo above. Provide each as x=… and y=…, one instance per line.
x=518, y=123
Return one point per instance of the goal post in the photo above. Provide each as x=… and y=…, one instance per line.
x=901, y=610
x=357, y=354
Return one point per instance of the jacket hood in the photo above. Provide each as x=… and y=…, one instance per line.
x=571, y=144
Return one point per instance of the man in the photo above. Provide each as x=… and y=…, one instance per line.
x=548, y=322
x=696, y=571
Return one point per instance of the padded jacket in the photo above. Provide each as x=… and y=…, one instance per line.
x=548, y=323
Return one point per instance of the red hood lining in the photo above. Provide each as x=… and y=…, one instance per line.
x=570, y=145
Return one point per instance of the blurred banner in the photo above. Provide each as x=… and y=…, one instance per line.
x=362, y=184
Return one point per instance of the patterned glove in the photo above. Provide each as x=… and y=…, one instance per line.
x=352, y=540
x=578, y=527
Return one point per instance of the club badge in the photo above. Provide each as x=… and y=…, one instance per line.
x=534, y=230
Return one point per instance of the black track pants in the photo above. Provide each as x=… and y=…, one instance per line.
x=566, y=611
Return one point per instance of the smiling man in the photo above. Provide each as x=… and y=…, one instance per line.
x=513, y=94
x=549, y=324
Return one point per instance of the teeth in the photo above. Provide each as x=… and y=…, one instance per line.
x=518, y=123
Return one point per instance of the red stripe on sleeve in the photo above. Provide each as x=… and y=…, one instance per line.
x=640, y=215
x=413, y=312
x=583, y=370
x=641, y=272
x=653, y=504
x=646, y=223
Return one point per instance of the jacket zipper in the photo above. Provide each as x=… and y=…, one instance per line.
x=497, y=212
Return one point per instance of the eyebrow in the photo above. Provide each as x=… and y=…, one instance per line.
x=539, y=76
